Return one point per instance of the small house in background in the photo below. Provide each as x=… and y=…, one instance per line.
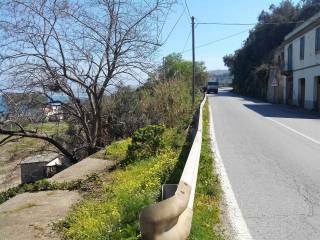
x=37, y=167
x=53, y=112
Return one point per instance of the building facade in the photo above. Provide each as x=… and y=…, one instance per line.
x=53, y=112
x=37, y=167
x=302, y=65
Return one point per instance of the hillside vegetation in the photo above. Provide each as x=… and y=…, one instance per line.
x=156, y=117
x=249, y=65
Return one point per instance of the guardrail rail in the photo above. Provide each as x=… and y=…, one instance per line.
x=172, y=218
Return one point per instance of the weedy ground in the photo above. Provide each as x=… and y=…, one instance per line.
x=206, y=214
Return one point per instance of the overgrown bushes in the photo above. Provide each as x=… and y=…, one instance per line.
x=158, y=101
x=146, y=142
x=114, y=214
x=162, y=111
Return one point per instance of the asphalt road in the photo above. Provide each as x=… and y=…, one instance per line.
x=271, y=154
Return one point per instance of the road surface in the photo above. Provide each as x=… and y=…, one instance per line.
x=271, y=154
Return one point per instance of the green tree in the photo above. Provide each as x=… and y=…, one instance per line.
x=249, y=65
x=176, y=67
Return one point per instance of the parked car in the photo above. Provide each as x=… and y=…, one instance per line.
x=212, y=87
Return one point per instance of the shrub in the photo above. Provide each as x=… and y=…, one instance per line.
x=117, y=151
x=146, y=142
x=156, y=102
x=115, y=214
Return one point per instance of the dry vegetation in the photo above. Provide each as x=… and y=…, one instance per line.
x=14, y=152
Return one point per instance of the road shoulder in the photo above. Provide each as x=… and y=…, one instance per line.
x=236, y=226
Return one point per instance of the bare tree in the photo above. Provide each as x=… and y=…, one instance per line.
x=69, y=47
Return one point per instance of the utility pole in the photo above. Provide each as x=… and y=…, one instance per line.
x=193, y=59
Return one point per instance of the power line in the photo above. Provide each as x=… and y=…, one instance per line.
x=217, y=40
x=246, y=24
x=229, y=24
x=164, y=22
x=187, y=16
x=185, y=2
x=185, y=44
x=174, y=26
x=187, y=41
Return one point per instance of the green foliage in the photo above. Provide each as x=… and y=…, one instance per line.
x=156, y=102
x=117, y=151
x=246, y=63
x=146, y=142
x=115, y=214
x=171, y=103
x=41, y=185
x=208, y=192
x=176, y=67
x=112, y=210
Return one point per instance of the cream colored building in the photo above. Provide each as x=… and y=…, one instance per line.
x=302, y=65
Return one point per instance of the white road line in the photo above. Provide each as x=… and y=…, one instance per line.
x=295, y=131
x=236, y=219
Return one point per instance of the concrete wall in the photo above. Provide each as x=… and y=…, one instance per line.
x=276, y=94
x=308, y=68
x=32, y=172
x=310, y=88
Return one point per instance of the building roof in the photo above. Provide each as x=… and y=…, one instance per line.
x=46, y=158
x=54, y=162
x=303, y=28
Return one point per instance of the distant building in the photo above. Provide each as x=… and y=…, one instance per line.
x=302, y=65
x=37, y=167
x=53, y=111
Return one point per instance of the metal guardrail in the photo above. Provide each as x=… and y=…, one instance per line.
x=172, y=218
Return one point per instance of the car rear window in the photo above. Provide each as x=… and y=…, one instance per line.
x=212, y=83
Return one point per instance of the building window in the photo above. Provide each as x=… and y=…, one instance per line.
x=290, y=57
x=317, y=40
x=302, y=43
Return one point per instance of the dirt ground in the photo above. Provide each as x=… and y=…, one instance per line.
x=30, y=216
x=82, y=169
x=10, y=156
x=9, y=167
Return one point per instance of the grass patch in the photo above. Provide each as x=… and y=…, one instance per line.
x=114, y=212
x=116, y=151
x=22, y=207
x=208, y=193
x=27, y=146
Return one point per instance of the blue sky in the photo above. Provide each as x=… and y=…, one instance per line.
x=241, y=11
